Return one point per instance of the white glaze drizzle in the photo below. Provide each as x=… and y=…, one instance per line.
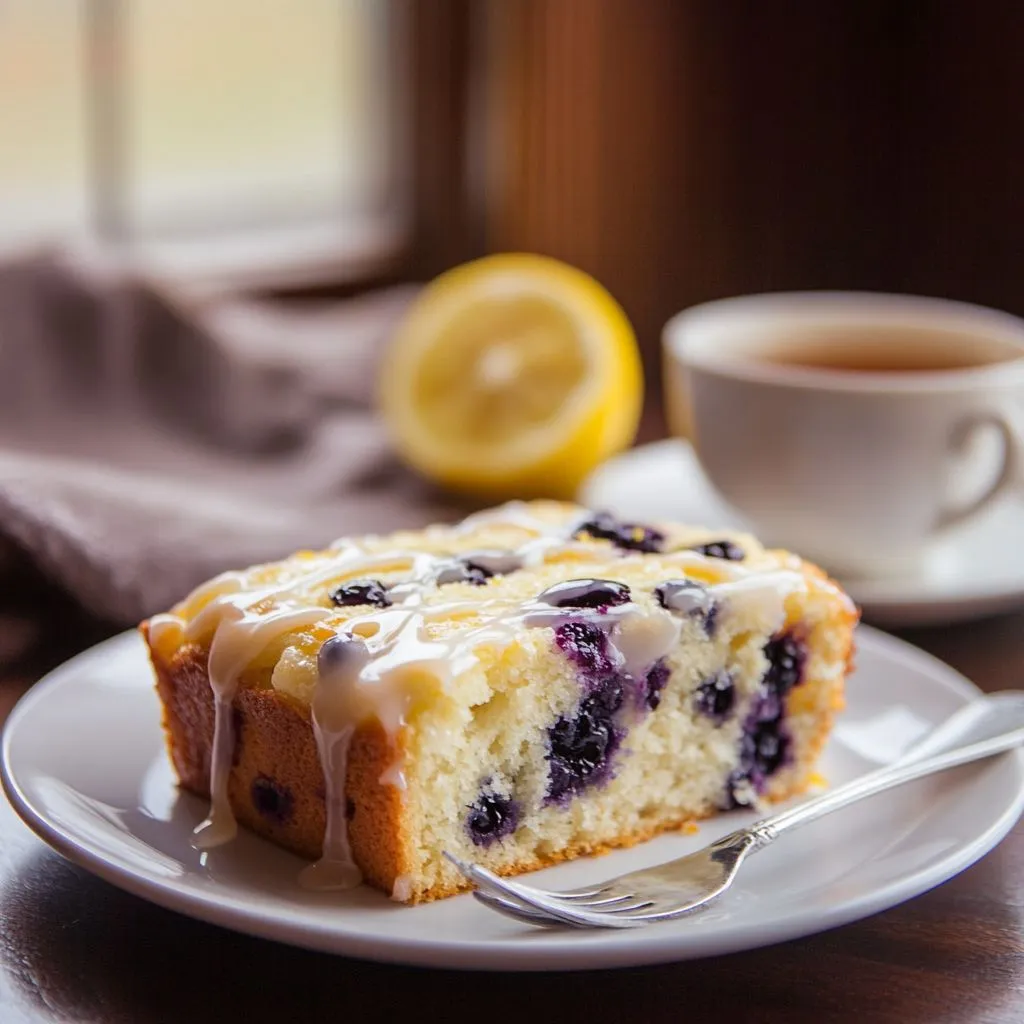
x=244, y=621
x=230, y=651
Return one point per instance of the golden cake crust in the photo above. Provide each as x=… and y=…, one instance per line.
x=274, y=740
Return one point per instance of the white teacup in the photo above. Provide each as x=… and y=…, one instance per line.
x=855, y=428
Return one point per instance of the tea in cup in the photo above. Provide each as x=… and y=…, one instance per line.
x=843, y=425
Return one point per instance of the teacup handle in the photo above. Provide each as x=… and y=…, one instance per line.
x=1011, y=467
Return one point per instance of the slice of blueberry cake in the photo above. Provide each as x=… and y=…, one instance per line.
x=535, y=683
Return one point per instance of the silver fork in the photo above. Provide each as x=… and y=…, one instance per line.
x=987, y=726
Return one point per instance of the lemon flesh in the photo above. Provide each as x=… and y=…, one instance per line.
x=512, y=376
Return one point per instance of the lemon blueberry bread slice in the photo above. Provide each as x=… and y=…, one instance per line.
x=535, y=683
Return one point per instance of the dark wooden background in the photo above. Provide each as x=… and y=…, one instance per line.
x=684, y=150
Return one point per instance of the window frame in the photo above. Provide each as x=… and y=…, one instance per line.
x=309, y=251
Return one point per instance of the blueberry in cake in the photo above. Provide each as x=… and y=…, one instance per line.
x=533, y=684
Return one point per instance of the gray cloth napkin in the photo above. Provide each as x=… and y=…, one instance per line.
x=148, y=442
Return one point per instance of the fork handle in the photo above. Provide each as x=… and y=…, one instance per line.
x=768, y=829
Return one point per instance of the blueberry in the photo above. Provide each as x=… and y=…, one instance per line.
x=786, y=656
x=711, y=619
x=272, y=800
x=463, y=570
x=629, y=536
x=492, y=817
x=768, y=707
x=716, y=696
x=765, y=744
x=721, y=549
x=682, y=595
x=495, y=563
x=690, y=598
x=586, y=593
x=342, y=652
x=586, y=645
x=581, y=747
x=361, y=592
x=769, y=749
x=477, y=574
x=654, y=683
x=735, y=787
x=607, y=696
x=764, y=749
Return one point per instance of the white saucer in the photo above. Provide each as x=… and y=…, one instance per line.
x=83, y=764
x=978, y=572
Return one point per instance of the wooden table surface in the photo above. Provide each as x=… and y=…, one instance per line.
x=73, y=948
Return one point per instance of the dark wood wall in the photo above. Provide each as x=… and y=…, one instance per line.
x=683, y=150
x=961, y=213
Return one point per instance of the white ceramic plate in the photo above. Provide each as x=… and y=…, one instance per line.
x=978, y=571
x=83, y=764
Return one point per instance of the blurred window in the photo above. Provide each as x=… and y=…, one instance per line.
x=42, y=134
x=248, y=140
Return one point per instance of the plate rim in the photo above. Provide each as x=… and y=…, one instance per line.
x=588, y=951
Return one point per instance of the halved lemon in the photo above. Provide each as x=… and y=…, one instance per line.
x=513, y=375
